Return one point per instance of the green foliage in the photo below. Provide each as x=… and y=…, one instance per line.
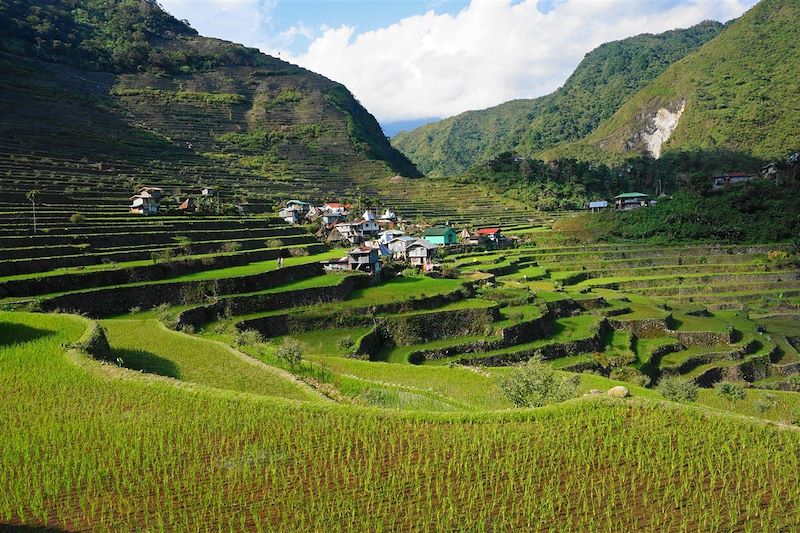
x=535, y=383
x=290, y=352
x=755, y=212
x=739, y=91
x=678, y=389
x=248, y=337
x=191, y=97
x=730, y=391
x=599, y=86
x=77, y=218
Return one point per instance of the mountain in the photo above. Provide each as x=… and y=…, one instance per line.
x=122, y=84
x=602, y=82
x=738, y=93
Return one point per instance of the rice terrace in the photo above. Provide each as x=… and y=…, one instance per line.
x=229, y=302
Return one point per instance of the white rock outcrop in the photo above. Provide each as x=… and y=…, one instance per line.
x=664, y=123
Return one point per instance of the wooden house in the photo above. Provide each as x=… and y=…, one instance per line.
x=491, y=235
x=598, y=205
x=440, y=235
x=422, y=253
x=385, y=237
x=364, y=259
x=145, y=203
x=631, y=200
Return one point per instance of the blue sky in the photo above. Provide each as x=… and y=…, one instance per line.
x=409, y=61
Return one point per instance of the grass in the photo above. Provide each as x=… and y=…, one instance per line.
x=147, y=346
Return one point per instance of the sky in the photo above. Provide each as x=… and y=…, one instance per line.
x=412, y=61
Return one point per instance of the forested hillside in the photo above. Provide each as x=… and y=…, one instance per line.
x=599, y=86
x=125, y=86
x=738, y=93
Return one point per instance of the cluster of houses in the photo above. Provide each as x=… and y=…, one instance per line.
x=148, y=200
x=373, y=238
x=624, y=202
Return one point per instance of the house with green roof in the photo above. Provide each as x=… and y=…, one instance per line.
x=631, y=200
x=440, y=235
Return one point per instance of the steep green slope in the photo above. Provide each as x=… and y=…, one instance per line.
x=124, y=83
x=599, y=86
x=737, y=93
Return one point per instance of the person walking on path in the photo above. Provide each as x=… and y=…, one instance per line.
x=282, y=254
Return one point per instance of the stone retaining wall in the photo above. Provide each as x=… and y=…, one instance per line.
x=112, y=301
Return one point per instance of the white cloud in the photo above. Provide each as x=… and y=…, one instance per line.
x=241, y=21
x=490, y=52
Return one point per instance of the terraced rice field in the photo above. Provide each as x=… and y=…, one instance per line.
x=197, y=415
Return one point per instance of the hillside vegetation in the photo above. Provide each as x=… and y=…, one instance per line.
x=601, y=83
x=131, y=87
x=737, y=93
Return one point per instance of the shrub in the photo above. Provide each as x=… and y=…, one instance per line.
x=777, y=255
x=793, y=383
x=290, y=352
x=535, y=383
x=248, y=337
x=730, y=391
x=77, y=218
x=345, y=343
x=164, y=256
x=298, y=252
x=629, y=374
x=450, y=272
x=230, y=247
x=678, y=390
x=163, y=313
x=273, y=243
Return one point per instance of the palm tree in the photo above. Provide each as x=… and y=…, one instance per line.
x=31, y=196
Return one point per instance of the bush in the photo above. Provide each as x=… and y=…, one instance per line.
x=163, y=313
x=535, y=383
x=273, y=243
x=290, y=352
x=229, y=247
x=298, y=252
x=730, y=391
x=77, y=218
x=793, y=383
x=629, y=374
x=164, y=256
x=678, y=390
x=248, y=337
x=345, y=343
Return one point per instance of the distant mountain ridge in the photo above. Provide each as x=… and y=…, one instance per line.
x=599, y=86
x=738, y=93
x=123, y=80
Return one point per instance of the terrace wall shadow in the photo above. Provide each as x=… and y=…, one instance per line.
x=19, y=333
x=147, y=362
x=8, y=528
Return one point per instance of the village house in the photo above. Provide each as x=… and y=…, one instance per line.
x=336, y=265
x=187, y=206
x=295, y=211
x=440, y=235
x=471, y=239
x=631, y=200
x=147, y=201
x=732, y=178
x=491, y=235
x=208, y=191
x=598, y=205
x=398, y=246
x=332, y=217
x=335, y=207
x=422, y=254
x=364, y=259
x=389, y=235
x=357, y=231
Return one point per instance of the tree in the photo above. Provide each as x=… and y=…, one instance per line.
x=730, y=391
x=677, y=389
x=31, y=196
x=535, y=383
